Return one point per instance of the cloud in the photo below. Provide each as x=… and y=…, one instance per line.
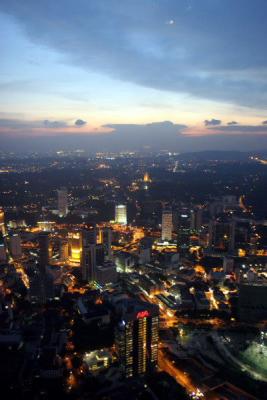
x=17, y=124
x=241, y=129
x=54, y=124
x=264, y=122
x=131, y=41
x=80, y=122
x=155, y=135
x=212, y=122
x=232, y=123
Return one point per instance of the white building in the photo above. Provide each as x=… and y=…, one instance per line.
x=62, y=202
x=167, y=225
x=121, y=214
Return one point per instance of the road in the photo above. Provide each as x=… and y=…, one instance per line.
x=180, y=376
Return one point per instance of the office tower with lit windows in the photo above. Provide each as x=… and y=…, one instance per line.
x=2, y=222
x=121, y=214
x=62, y=202
x=136, y=337
x=184, y=221
x=75, y=247
x=166, y=225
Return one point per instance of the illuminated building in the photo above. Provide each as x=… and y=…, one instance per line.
x=62, y=202
x=166, y=226
x=92, y=255
x=63, y=250
x=3, y=252
x=146, y=181
x=97, y=360
x=121, y=214
x=183, y=230
x=15, y=246
x=105, y=238
x=75, y=247
x=136, y=337
x=147, y=178
x=2, y=222
x=46, y=226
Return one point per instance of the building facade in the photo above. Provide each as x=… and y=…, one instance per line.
x=121, y=214
x=166, y=225
x=136, y=337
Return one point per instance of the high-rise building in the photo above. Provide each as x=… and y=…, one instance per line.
x=75, y=247
x=2, y=222
x=196, y=219
x=3, y=250
x=105, y=238
x=15, y=245
x=88, y=262
x=62, y=202
x=93, y=254
x=222, y=235
x=184, y=219
x=106, y=273
x=41, y=284
x=63, y=250
x=166, y=225
x=121, y=214
x=43, y=239
x=136, y=337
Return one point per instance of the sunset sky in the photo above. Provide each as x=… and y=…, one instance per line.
x=138, y=69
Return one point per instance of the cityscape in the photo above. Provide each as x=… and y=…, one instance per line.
x=130, y=279
x=133, y=212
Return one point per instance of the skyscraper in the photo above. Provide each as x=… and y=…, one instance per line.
x=184, y=220
x=3, y=250
x=75, y=247
x=105, y=235
x=43, y=239
x=62, y=202
x=121, y=214
x=88, y=262
x=166, y=226
x=136, y=337
x=88, y=255
x=2, y=222
x=222, y=235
